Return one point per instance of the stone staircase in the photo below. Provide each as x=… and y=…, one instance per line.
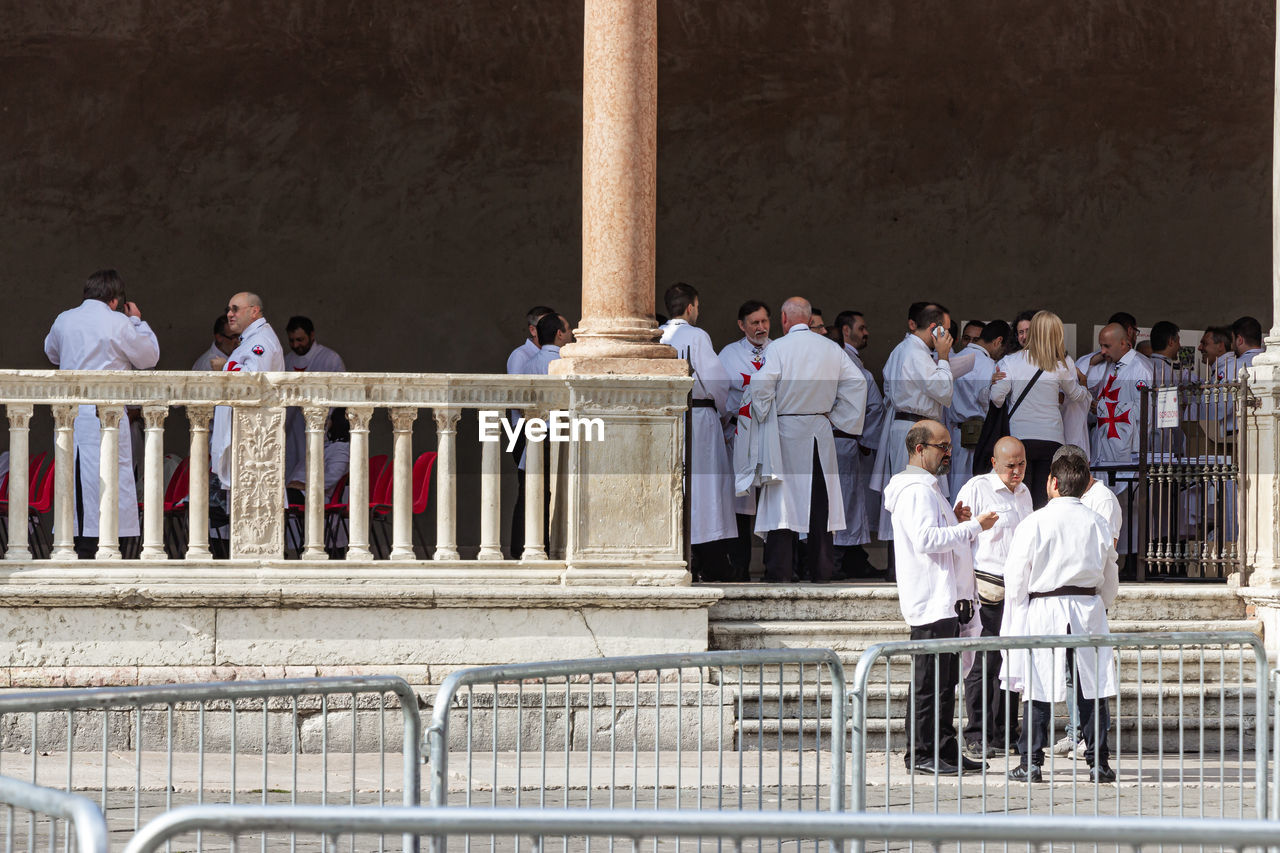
x=849, y=619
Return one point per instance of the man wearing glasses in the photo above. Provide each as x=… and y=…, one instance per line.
x=932, y=546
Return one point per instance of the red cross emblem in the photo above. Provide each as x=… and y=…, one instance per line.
x=746, y=379
x=1108, y=392
x=1112, y=419
x=757, y=364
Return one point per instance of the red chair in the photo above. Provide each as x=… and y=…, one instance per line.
x=337, y=511
x=380, y=512
x=422, y=468
x=176, y=496
x=39, y=506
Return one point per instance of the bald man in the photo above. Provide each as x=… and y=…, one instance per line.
x=1003, y=492
x=259, y=349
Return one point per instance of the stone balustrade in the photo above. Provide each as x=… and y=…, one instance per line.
x=618, y=503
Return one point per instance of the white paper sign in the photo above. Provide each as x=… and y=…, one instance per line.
x=1166, y=407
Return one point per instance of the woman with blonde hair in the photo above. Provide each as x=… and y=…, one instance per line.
x=1040, y=382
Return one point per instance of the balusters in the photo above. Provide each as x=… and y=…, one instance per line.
x=446, y=484
x=315, y=418
x=402, y=419
x=198, y=483
x=358, y=480
x=64, y=452
x=153, y=482
x=534, y=507
x=490, y=501
x=109, y=483
x=19, y=421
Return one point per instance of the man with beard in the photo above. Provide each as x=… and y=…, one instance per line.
x=742, y=359
x=305, y=355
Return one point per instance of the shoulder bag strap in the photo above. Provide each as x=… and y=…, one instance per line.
x=1024, y=393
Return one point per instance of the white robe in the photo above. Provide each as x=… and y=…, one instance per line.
x=318, y=359
x=970, y=398
x=203, y=362
x=807, y=385
x=1063, y=544
x=1116, y=433
x=856, y=466
x=93, y=337
x=711, y=478
x=259, y=350
x=741, y=360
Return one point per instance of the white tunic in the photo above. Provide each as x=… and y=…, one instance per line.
x=93, y=337
x=518, y=361
x=741, y=360
x=915, y=383
x=1116, y=434
x=318, y=359
x=933, y=551
x=204, y=362
x=807, y=384
x=259, y=350
x=1063, y=544
x=969, y=400
x=856, y=459
x=711, y=478
x=1104, y=502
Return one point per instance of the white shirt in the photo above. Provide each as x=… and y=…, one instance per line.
x=973, y=390
x=203, y=362
x=518, y=361
x=1094, y=374
x=1039, y=416
x=914, y=382
x=1245, y=359
x=988, y=493
x=1104, y=502
x=542, y=359
x=318, y=359
x=93, y=337
x=259, y=350
x=933, y=551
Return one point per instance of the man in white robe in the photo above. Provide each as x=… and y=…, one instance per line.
x=712, y=526
x=972, y=395
x=305, y=355
x=808, y=385
x=223, y=345
x=932, y=544
x=916, y=388
x=855, y=456
x=1003, y=492
x=1060, y=578
x=259, y=350
x=95, y=336
x=741, y=359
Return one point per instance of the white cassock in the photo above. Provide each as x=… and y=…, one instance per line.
x=1094, y=374
x=969, y=400
x=1104, y=502
x=93, y=337
x=913, y=384
x=204, y=362
x=855, y=466
x=318, y=359
x=711, y=478
x=259, y=350
x=807, y=385
x=1117, y=432
x=1063, y=544
x=741, y=359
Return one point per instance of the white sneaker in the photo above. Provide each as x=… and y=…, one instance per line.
x=1080, y=750
x=1065, y=746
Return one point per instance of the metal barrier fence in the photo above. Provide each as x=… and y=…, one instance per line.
x=762, y=713
x=1201, y=695
x=154, y=747
x=46, y=810
x=577, y=828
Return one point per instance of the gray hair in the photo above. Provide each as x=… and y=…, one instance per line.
x=1070, y=451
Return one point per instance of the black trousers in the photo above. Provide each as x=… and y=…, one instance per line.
x=1035, y=732
x=988, y=707
x=517, y=508
x=740, y=547
x=1035, y=723
x=933, y=696
x=819, y=552
x=1039, y=458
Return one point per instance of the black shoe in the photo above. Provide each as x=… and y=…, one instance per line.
x=1101, y=774
x=1025, y=774
x=970, y=766
x=932, y=767
x=975, y=750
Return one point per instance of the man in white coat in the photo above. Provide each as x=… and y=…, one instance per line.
x=741, y=359
x=305, y=356
x=95, y=336
x=223, y=345
x=932, y=544
x=712, y=526
x=916, y=388
x=856, y=457
x=259, y=350
x=808, y=385
x=1060, y=579
x=971, y=397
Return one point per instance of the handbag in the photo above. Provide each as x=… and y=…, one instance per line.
x=996, y=427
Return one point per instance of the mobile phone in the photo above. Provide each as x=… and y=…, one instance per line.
x=938, y=331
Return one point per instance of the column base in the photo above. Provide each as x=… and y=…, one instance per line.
x=630, y=366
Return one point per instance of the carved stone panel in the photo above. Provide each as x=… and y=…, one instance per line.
x=257, y=477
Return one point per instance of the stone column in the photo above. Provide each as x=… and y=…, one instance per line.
x=64, y=483
x=198, y=484
x=358, y=484
x=153, y=483
x=315, y=419
x=402, y=483
x=491, y=500
x=109, y=484
x=534, y=509
x=446, y=484
x=618, y=333
x=19, y=489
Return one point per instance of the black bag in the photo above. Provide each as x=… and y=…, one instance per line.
x=996, y=427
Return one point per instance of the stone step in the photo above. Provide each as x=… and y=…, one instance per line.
x=1165, y=603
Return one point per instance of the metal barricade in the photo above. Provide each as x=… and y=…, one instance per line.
x=46, y=810
x=1188, y=733
x=151, y=748
x=576, y=829
x=642, y=731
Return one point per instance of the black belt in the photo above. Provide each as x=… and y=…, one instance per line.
x=1064, y=591
x=909, y=416
x=802, y=414
x=702, y=404
x=839, y=433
